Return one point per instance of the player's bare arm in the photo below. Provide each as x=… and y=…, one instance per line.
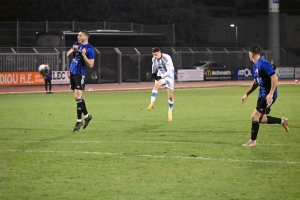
x=251, y=89
x=274, y=81
x=89, y=62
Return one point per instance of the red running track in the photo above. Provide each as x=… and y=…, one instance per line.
x=128, y=86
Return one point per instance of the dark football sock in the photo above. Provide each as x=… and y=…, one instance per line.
x=84, y=110
x=46, y=86
x=254, y=130
x=273, y=120
x=50, y=86
x=79, y=108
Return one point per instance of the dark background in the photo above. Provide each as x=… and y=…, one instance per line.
x=187, y=15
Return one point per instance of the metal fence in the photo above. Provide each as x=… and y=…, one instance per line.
x=23, y=34
x=127, y=64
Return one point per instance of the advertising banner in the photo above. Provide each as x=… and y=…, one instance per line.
x=222, y=74
x=60, y=77
x=285, y=72
x=21, y=78
x=190, y=75
x=297, y=72
x=273, y=5
x=243, y=74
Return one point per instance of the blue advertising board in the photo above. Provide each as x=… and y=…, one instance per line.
x=243, y=74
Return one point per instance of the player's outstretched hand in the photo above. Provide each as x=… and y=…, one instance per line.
x=244, y=98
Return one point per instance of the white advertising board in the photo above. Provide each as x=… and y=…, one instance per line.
x=297, y=72
x=190, y=75
x=285, y=72
x=60, y=77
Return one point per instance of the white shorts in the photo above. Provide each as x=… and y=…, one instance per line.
x=168, y=82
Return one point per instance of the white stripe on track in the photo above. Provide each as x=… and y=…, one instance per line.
x=134, y=141
x=158, y=156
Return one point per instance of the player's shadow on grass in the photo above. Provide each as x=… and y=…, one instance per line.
x=149, y=127
x=196, y=131
x=21, y=129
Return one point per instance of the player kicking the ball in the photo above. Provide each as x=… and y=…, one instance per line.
x=266, y=79
x=163, y=73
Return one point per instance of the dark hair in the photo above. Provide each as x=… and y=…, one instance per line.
x=255, y=49
x=155, y=49
x=85, y=32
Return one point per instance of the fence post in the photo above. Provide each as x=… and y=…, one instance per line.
x=193, y=60
x=99, y=65
x=174, y=35
x=73, y=25
x=47, y=27
x=139, y=63
x=210, y=55
x=17, y=32
x=119, y=65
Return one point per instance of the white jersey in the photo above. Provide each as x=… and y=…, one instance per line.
x=164, y=66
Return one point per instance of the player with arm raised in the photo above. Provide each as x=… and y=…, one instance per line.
x=163, y=73
x=266, y=79
x=83, y=56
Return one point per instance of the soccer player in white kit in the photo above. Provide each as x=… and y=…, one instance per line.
x=163, y=73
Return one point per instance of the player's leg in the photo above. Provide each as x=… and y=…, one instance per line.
x=255, y=117
x=274, y=120
x=169, y=84
x=77, y=88
x=154, y=92
x=170, y=103
x=50, y=86
x=46, y=86
x=77, y=95
x=87, y=116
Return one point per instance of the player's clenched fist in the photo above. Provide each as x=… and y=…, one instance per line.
x=83, y=51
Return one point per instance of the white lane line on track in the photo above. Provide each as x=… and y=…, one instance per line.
x=157, y=156
x=134, y=141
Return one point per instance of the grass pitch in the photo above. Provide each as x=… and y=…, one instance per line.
x=127, y=152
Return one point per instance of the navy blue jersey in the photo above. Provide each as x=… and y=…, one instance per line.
x=78, y=65
x=262, y=74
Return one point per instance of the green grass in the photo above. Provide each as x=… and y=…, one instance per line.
x=128, y=152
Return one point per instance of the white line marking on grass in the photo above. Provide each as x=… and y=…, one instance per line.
x=130, y=141
x=158, y=156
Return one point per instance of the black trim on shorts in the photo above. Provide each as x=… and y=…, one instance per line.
x=262, y=106
x=76, y=82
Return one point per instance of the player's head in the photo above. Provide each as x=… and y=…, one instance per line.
x=254, y=52
x=156, y=52
x=83, y=36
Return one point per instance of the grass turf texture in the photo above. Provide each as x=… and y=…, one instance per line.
x=127, y=152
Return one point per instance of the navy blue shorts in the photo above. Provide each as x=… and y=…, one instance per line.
x=263, y=107
x=76, y=82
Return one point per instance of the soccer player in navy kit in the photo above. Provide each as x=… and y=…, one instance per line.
x=266, y=79
x=83, y=56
